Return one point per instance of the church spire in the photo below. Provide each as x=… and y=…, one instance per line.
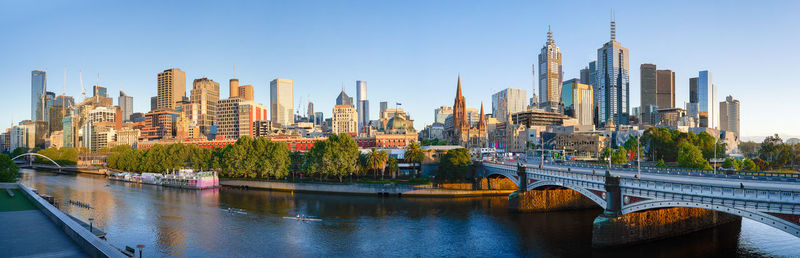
x=458, y=90
x=480, y=119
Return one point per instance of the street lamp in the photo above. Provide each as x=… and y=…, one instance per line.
x=91, y=225
x=714, y=166
x=638, y=156
x=140, y=246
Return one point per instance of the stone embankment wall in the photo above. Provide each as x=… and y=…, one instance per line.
x=363, y=189
x=550, y=200
x=497, y=184
x=652, y=225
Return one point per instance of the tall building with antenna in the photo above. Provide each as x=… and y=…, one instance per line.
x=550, y=74
x=612, y=92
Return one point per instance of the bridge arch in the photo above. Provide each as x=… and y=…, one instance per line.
x=792, y=228
x=583, y=191
x=37, y=154
x=504, y=173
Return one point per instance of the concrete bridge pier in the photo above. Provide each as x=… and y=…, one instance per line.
x=552, y=198
x=612, y=228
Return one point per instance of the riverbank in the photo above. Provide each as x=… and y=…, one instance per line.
x=362, y=189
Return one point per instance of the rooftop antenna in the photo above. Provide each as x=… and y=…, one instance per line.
x=64, y=87
x=94, y=89
x=234, y=70
x=613, y=27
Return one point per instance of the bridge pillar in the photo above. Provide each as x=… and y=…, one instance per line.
x=614, y=229
x=522, y=173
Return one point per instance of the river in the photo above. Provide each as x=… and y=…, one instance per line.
x=178, y=222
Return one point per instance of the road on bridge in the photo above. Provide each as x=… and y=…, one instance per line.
x=712, y=181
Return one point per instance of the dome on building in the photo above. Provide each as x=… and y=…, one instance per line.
x=398, y=124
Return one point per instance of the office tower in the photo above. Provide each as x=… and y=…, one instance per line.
x=38, y=88
x=703, y=95
x=246, y=92
x=233, y=88
x=440, y=114
x=613, y=85
x=343, y=99
x=282, y=101
x=153, y=103
x=171, y=88
x=319, y=118
x=729, y=115
x=126, y=104
x=658, y=91
x=507, y=102
x=577, y=98
x=550, y=73
x=345, y=119
x=101, y=91
x=362, y=105
x=665, y=89
x=310, y=111
x=204, y=95
x=384, y=106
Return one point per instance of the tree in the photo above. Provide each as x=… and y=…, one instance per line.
x=661, y=163
x=749, y=165
x=392, y=167
x=749, y=149
x=689, y=156
x=455, y=164
x=8, y=169
x=376, y=160
x=620, y=156
x=415, y=156
x=732, y=164
x=18, y=151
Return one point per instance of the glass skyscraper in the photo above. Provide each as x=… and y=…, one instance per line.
x=507, y=102
x=362, y=105
x=703, y=93
x=613, y=85
x=38, y=87
x=282, y=101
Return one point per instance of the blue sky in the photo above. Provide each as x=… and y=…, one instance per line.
x=407, y=51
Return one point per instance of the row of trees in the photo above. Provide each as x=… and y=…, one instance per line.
x=337, y=157
x=454, y=165
x=666, y=144
x=62, y=156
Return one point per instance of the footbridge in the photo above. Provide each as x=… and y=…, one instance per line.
x=620, y=193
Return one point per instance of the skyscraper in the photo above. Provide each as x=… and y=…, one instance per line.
x=550, y=73
x=507, y=102
x=665, y=88
x=384, y=106
x=126, y=104
x=613, y=84
x=171, y=88
x=38, y=87
x=205, y=94
x=343, y=99
x=362, y=105
x=703, y=94
x=98, y=90
x=658, y=91
x=310, y=110
x=577, y=98
x=282, y=101
x=153, y=103
x=729, y=115
x=440, y=114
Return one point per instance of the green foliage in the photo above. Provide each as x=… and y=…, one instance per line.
x=414, y=154
x=391, y=166
x=734, y=164
x=338, y=157
x=455, y=164
x=8, y=169
x=62, y=156
x=749, y=149
x=661, y=163
x=429, y=142
x=689, y=156
x=749, y=165
x=18, y=151
x=620, y=156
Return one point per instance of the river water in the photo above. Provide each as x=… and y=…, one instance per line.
x=178, y=222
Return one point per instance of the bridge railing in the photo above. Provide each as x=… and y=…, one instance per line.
x=635, y=186
x=694, y=172
x=746, y=194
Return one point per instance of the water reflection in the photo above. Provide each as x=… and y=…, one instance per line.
x=177, y=222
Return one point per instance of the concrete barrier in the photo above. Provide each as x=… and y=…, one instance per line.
x=362, y=189
x=88, y=242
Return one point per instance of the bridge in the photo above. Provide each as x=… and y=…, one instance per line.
x=622, y=193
